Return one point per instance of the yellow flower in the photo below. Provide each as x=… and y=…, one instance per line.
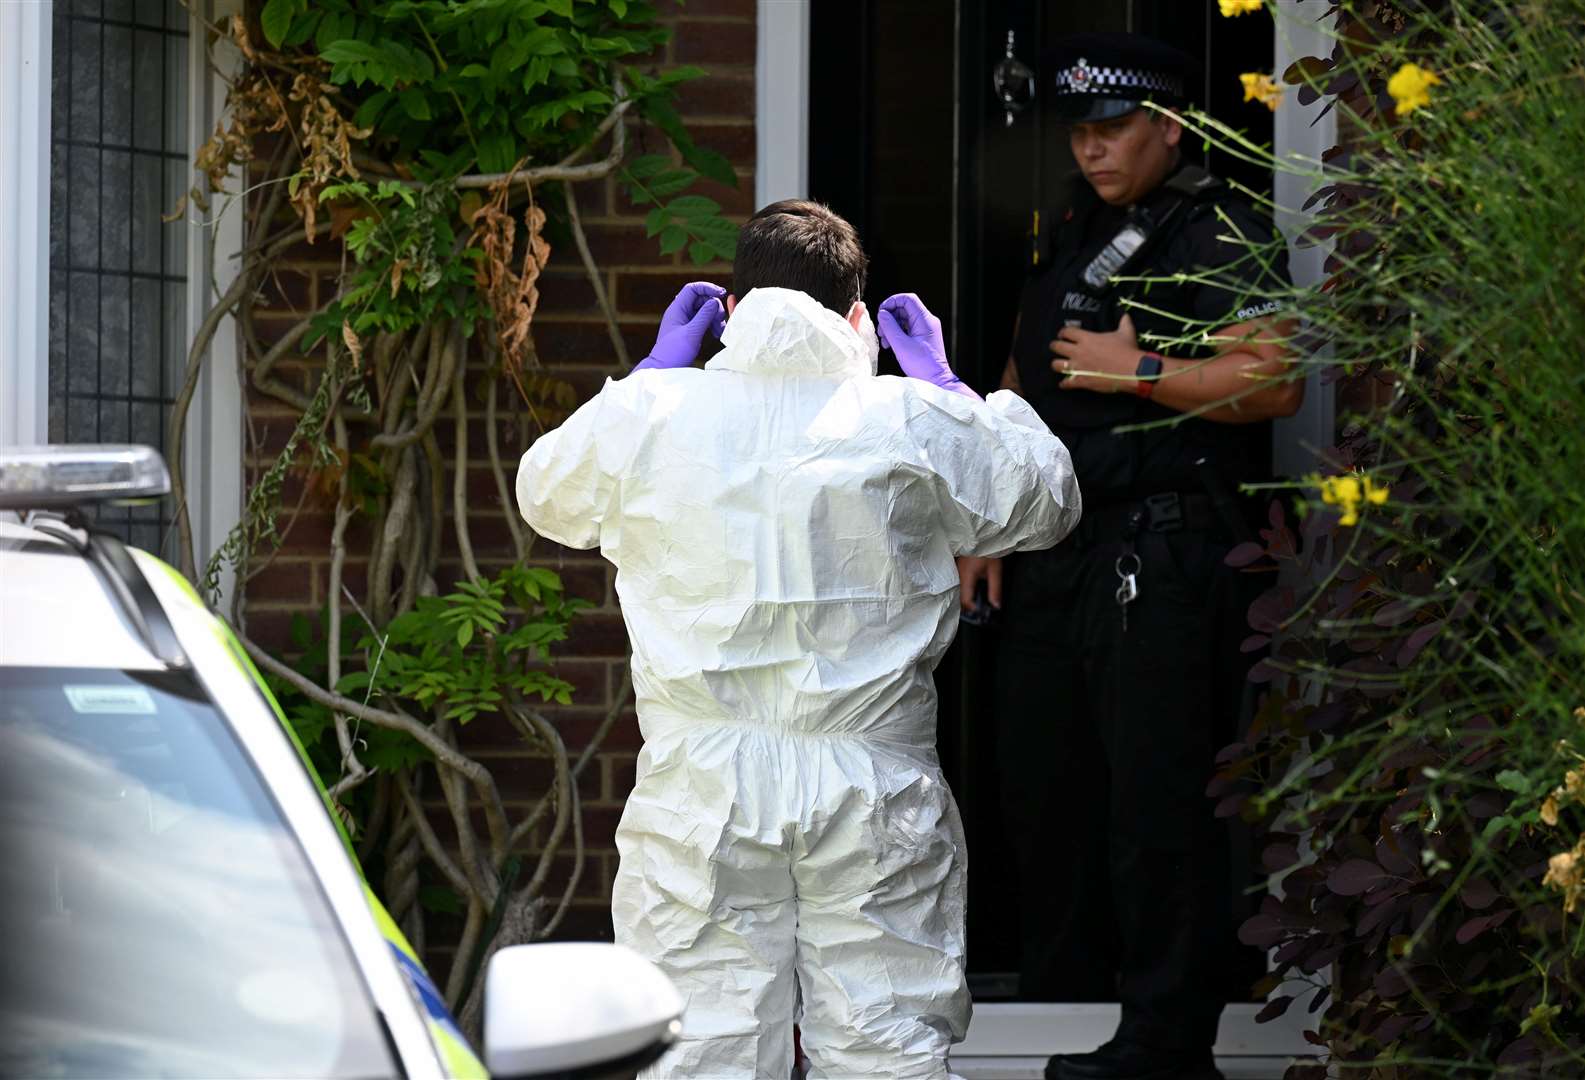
x=1348, y=493
x=1411, y=87
x=1261, y=88
x=1239, y=7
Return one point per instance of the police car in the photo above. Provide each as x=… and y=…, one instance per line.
x=175, y=899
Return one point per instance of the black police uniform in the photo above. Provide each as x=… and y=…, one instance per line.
x=1108, y=733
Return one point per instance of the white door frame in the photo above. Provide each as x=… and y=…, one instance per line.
x=781, y=101
x=1300, y=139
x=24, y=221
x=214, y=444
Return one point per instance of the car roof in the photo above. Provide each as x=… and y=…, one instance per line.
x=55, y=610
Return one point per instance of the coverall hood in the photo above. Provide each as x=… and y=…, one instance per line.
x=787, y=330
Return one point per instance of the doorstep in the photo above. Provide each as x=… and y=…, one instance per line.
x=1032, y=1068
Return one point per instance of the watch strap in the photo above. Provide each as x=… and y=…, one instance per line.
x=1147, y=372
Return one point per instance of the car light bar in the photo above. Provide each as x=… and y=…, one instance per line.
x=44, y=477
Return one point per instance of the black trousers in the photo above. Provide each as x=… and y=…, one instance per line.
x=1107, y=739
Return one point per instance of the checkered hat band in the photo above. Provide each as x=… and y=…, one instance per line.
x=1087, y=79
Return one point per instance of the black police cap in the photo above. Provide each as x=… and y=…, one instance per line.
x=1102, y=75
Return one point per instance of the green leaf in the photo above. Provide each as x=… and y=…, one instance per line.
x=302, y=30
x=711, y=164
x=464, y=635
x=701, y=252
x=694, y=206
x=276, y=20
x=648, y=165
x=671, y=182
x=619, y=8
x=560, y=7
x=310, y=723
x=1513, y=780
x=389, y=749
x=332, y=28
x=538, y=71
x=672, y=239
x=681, y=74
x=497, y=153
x=416, y=104
x=655, y=221
x=369, y=112
x=301, y=631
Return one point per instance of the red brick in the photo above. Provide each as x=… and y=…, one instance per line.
x=291, y=291
x=736, y=141
x=717, y=96
x=568, y=292
x=524, y=779
x=736, y=202
x=594, y=634
x=622, y=770
x=599, y=827
x=714, y=44
x=491, y=733
x=590, y=342
x=585, y=583
x=743, y=9
x=551, y=554
x=354, y=575
x=283, y=581
x=591, y=882
x=490, y=535
x=648, y=294
x=587, y=381
x=618, y=245
x=578, y=727
x=272, y=630
x=584, y=922
x=312, y=530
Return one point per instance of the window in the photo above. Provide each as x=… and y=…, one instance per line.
x=157, y=914
x=118, y=273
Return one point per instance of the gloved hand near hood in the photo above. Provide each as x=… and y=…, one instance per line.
x=914, y=335
x=696, y=311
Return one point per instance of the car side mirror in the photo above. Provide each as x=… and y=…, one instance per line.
x=583, y=1007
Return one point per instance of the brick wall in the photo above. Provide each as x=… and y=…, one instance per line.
x=718, y=35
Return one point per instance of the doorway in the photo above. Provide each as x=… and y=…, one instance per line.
x=910, y=142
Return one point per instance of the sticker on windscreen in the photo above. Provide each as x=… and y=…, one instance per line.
x=111, y=700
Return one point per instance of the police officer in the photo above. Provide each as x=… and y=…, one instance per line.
x=1120, y=673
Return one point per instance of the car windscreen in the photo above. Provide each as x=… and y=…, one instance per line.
x=157, y=916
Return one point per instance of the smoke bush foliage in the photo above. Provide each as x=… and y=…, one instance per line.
x=1419, y=753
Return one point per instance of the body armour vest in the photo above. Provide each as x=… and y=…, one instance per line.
x=1224, y=249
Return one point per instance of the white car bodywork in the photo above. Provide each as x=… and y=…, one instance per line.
x=55, y=611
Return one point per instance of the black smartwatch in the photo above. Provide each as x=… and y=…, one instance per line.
x=1147, y=372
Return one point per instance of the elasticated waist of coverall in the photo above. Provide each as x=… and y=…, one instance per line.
x=912, y=737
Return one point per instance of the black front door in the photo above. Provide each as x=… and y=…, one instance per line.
x=909, y=139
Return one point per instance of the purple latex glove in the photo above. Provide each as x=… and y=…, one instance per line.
x=906, y=327
x=697, y=310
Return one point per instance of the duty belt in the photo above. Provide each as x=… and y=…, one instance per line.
x=1163, y=512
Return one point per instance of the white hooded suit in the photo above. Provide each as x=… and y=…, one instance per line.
x=783, y=524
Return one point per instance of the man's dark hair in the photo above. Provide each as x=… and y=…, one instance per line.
x=796, y=244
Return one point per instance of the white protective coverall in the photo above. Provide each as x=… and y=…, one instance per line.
x=783, y=525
